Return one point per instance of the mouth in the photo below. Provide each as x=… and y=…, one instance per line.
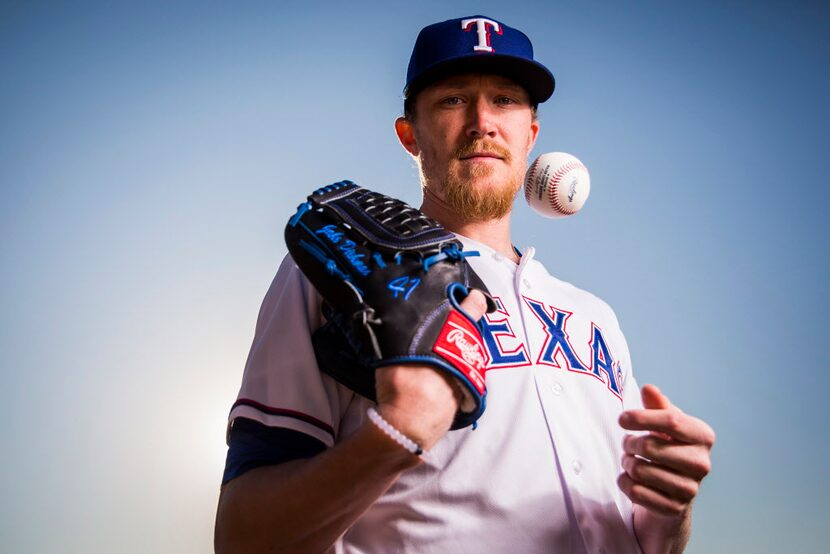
x=480, y=156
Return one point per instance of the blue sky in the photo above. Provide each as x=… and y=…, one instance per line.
x=150, y=154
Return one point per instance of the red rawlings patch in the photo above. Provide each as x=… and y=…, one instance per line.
x=460, y=344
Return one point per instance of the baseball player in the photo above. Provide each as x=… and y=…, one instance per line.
x=569, y=455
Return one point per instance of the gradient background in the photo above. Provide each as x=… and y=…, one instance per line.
x=150, y=156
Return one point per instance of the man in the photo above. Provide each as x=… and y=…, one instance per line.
x=550, y=467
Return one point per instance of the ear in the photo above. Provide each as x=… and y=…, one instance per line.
x=406, y=134
x=534, y=133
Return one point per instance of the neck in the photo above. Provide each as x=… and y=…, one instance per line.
x=495, y=233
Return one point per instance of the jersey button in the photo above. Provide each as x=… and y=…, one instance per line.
x=557, y=388
x=498, y=257
x=577, y=466
x=526, y=283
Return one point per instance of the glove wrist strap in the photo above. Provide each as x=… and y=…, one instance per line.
x=393, y=433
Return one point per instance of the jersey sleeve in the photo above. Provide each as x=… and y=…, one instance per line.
x=251, y=445
x=631, y=399
x=282, y=385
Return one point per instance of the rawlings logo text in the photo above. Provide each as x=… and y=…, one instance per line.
x=470, y=351
x=459, y=343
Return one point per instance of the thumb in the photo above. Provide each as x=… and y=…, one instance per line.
x=653, y=399
x=475, y=304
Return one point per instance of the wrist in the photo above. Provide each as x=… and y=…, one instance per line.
x=394, y=433
x=658, y=533
x=423, y=426
x=385, y=449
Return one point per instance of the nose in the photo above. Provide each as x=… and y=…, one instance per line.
x=480, y=119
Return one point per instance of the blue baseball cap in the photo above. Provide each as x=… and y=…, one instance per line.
x=476, y=44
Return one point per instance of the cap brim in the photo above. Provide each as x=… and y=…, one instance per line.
x=533, y=76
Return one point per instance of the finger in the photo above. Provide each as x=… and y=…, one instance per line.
x=671, y=422
x=475, y=305
x=689, y=460
x=670, y=484
x=654, y=399
x=649, y=498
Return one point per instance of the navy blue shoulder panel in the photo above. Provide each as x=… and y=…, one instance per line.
x=252, y=444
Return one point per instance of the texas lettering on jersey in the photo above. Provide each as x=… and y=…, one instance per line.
x=507, y=350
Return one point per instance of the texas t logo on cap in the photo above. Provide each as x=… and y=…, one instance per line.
x=481, y=24
x=476, y=44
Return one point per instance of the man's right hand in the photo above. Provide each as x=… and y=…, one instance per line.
x=420, y=401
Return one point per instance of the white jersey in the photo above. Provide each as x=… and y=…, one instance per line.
x=537, y=475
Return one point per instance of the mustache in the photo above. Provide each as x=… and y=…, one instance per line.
x=480, y=146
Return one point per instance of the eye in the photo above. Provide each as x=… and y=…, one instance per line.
x=452, y=100
x=505, y=100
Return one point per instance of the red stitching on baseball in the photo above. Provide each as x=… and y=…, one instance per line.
x=531, y=180
x=558, y=174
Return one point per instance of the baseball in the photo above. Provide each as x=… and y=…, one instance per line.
x=557, y=184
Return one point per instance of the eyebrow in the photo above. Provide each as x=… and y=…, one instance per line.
x=458, y=82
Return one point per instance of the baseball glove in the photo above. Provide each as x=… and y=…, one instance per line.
x=391, y=280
